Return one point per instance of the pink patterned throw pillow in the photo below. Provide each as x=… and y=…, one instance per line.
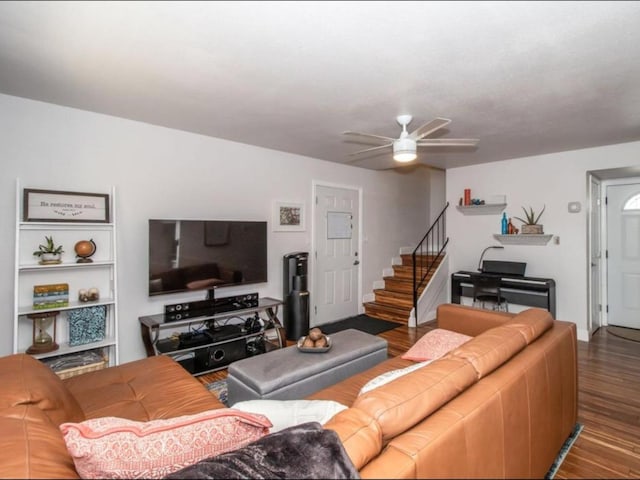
x=435, y=344
x=112, y=447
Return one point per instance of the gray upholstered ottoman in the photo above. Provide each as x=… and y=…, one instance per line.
x=288, y=374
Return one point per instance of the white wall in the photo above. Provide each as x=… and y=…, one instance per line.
x=553, y=180
x=164, y=173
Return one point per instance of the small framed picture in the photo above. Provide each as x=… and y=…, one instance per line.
x=288, y=217
x=56, y=206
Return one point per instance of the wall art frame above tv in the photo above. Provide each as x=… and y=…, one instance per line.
x=288, y=216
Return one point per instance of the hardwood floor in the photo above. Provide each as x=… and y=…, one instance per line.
x=608, y=403
x=609, y=409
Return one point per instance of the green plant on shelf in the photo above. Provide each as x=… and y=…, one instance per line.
x=49, y=248
x=531, y=217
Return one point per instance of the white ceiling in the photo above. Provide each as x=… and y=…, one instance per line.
x=526, y=78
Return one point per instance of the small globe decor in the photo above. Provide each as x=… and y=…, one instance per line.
x=84, y=249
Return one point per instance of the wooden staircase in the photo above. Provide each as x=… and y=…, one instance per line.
x=395, y=301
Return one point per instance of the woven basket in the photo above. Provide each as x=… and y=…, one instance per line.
x=92, y=367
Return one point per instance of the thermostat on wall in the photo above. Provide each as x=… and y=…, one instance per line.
x=574, y=207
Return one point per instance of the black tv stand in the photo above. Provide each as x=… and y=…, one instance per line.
x=215, y=343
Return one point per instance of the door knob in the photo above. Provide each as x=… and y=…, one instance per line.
x=357, y=262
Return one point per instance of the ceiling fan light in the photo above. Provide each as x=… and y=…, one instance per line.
x=404, y=150
x=404, y=157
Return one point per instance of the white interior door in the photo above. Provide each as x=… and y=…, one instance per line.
x=336, y=240
x=595, y=256
x=623, y=263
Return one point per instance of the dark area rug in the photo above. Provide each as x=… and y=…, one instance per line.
x=624, y=332
x=573, y=436
x=362, y=322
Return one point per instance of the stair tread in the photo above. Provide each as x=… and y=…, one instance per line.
x=382, y=306
x=385, y=312
x=400, y=299
x=401, y=286
x=392, y=293
x=406, y=268
x=408, y=259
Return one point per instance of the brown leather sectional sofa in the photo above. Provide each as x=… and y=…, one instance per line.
x=499, y=406
x=34, y=402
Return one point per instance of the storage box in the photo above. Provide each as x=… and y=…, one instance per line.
x=496, y=199
x=66, y=366
x=72, y=372
x=87, y=325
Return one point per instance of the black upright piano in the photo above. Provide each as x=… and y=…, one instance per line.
x=514, y=285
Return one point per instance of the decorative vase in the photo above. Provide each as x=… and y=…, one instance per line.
x=50, y=258
x=532, y=229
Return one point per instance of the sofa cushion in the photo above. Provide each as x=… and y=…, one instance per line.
x=387, y=377
x=469, y=320
x=489, y=350
x=113, y=447
x=531, y=323
x=434, y=344
x=26, y=381
x=151, y=388
x=401, y=404
x=288, y=413
x=31, y=445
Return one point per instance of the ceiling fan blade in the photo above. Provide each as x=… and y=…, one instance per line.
x=429, y=127
x=448, y=142
x=370, y=137
x=371, y=149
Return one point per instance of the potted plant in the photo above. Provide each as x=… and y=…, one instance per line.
x=530, y=225
x=49, y=253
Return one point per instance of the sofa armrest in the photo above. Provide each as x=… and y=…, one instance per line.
x=469, y=321
x=32, y=446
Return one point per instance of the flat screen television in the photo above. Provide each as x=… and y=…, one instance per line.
x=189, y=255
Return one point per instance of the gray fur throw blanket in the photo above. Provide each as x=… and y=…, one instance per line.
x=302, y=451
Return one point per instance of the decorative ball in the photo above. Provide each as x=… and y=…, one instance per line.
x=315, y=334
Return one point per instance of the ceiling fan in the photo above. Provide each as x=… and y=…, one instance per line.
x=405, y=147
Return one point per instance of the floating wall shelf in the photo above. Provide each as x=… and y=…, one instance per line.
x=487, y=209
x=523, y=239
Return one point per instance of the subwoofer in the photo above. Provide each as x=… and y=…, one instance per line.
x=220, y=355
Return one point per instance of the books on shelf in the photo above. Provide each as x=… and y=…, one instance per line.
x=55, y=295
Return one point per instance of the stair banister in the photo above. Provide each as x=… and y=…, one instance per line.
x=436, y=234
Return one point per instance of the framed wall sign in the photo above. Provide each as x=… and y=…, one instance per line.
x=57, y=206
x=288, y=217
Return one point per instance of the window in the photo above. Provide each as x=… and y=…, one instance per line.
x=633, y=203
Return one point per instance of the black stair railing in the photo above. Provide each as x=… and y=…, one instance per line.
x=427, y=255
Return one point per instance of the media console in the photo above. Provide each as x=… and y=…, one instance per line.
x=213, y=338
x=210, y=306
